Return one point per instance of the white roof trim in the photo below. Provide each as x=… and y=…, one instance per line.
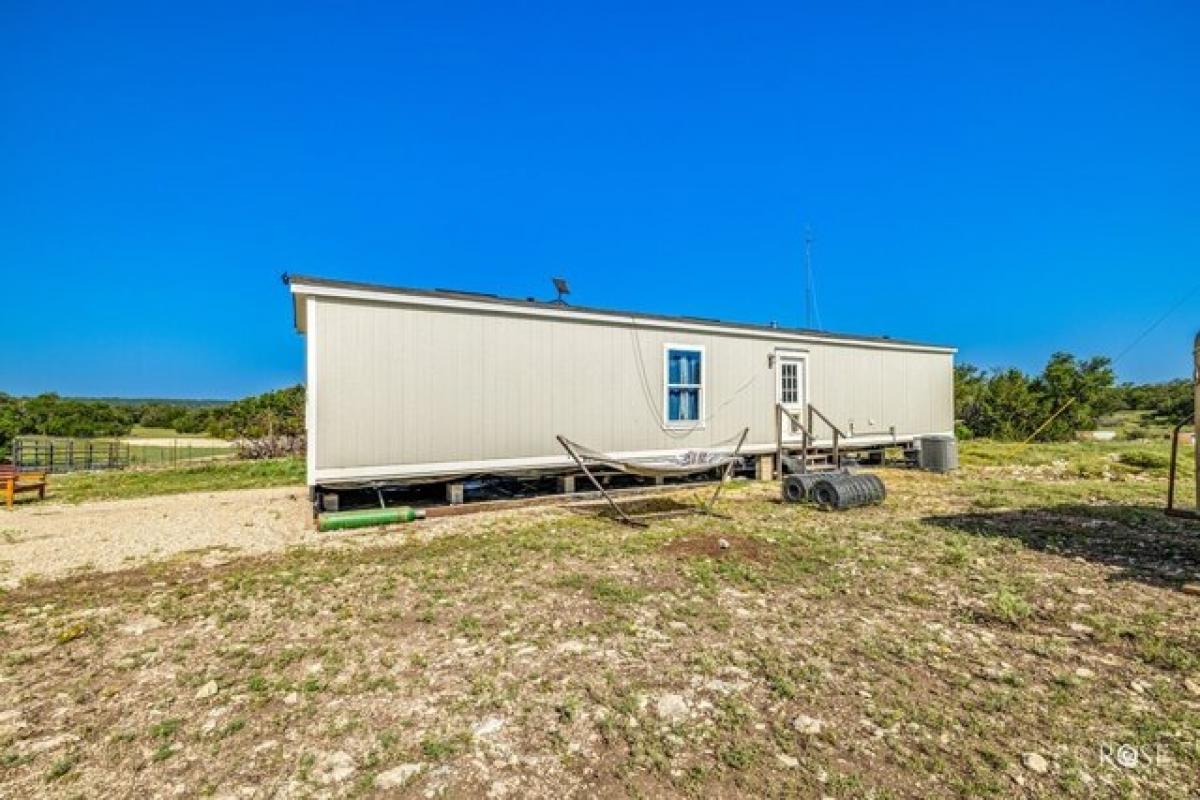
x=400, y=297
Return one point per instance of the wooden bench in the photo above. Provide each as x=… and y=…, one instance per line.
x=13, y=480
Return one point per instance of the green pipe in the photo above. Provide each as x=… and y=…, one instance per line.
x=345, y=520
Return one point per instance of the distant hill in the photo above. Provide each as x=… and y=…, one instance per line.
x=145, y=401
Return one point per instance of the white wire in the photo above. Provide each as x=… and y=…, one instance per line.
x=648, y=392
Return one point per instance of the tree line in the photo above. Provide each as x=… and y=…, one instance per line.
x=273, y=414
x=1069, y=395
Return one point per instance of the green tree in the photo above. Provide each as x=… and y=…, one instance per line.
x=10, y=422
x=278, y=413
x=1073, y=394
x=1069, y=395
x=1007, y=407
x=1170, y=401
x=970, y=384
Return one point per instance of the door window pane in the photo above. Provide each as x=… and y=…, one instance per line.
x=789, y=388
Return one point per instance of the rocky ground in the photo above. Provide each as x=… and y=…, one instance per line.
x=985, y=634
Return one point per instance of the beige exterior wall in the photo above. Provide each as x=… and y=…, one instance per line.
x=401, y=386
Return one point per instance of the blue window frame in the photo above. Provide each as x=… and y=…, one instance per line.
x=683, y=373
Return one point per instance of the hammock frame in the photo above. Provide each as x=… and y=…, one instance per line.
x=582, y=455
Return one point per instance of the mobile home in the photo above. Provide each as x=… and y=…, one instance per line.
x=406, y=384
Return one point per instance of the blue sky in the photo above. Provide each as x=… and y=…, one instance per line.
x=1009, y=178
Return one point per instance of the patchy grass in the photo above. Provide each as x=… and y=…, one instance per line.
x=216, y=476
x=146, y=432
x=925, y=648
x=1146, y=459
x=1137, y=425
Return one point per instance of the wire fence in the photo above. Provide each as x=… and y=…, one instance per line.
x=60, y=455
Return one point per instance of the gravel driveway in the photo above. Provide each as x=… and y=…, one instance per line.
x=52, y=540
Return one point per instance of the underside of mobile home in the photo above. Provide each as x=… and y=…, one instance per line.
x=407, y=384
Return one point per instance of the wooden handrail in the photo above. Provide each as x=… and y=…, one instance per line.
x=838, y=434
x=795, y=420
x=806, y=434
x=805, y=438
x=814, y=410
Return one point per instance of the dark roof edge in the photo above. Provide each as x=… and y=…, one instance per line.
x=481, y=297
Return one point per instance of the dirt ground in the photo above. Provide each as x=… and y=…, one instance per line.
x=180, y=441
x=997, y=633
x=53, y=540
x=44, y=541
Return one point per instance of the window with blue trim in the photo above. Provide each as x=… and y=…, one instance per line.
x=684, y=384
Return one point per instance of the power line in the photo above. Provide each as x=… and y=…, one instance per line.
x=1157, y=322
x=1178, y=304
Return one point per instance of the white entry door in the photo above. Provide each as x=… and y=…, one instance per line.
x=791, y=390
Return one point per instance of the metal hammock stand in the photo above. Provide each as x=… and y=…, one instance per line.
x=690, y=462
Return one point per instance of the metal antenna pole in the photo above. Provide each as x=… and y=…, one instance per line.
x=808, y=278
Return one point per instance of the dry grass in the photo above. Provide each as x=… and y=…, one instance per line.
x=920, y=649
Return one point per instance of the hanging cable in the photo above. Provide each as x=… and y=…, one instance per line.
x=648, y=392
x=1179, y=304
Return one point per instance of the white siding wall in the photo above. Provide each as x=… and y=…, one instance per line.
x=399, y=385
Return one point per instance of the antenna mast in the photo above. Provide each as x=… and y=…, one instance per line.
x=809, y=296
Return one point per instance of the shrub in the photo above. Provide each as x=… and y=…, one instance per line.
x=1010, y=608
x=1145, y=459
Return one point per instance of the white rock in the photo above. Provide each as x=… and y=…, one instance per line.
x=724, y=687
x=142, y=626
x=489, y=726
x=333, y=767
x=791, y=762
x=207, y=690
x=723, y=544
x=1035, y=762
x=291, y=698
x=671, y=708
x=1084, y=672
x=396, y=777
x=810, y=726
x=499, y=789
x=51, y=743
